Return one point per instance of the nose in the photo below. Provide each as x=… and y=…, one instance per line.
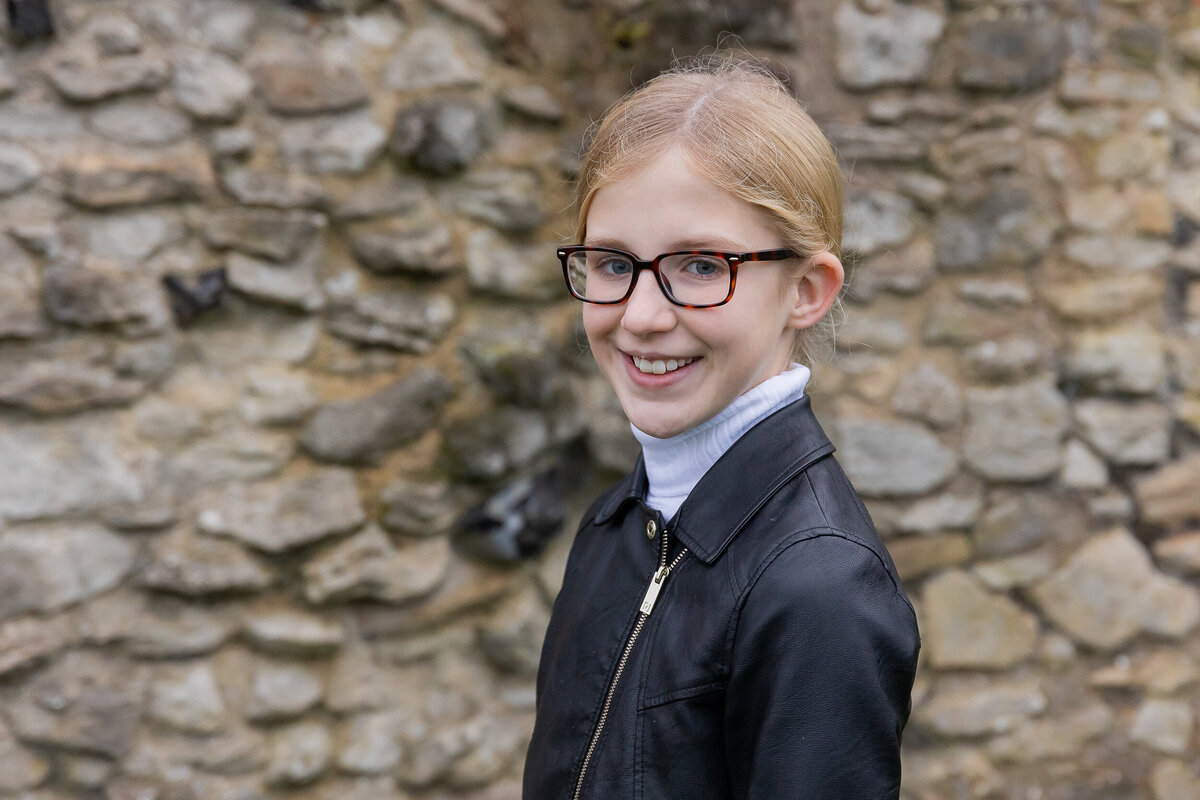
x=647, y=310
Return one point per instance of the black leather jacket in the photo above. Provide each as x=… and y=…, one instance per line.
x=775, y=661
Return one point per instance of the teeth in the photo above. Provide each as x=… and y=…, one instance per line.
x=660, y=367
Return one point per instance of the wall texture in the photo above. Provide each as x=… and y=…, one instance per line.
x=229, y=564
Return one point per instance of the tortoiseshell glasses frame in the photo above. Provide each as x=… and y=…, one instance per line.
x=732, y=259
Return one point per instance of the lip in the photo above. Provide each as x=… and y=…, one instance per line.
x=652, y=381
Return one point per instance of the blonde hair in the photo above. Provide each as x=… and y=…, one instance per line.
x=741, y=128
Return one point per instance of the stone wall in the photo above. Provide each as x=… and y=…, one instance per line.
x=229, y=559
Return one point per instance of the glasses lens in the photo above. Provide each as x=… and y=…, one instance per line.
x=598, y=275
x=696, y=279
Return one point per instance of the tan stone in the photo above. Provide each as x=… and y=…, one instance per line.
x=1058, y=736
x=974, y=706
x=1168, y=495
x=917, y=555
x=1180, y=553
x=1163, y=725
x=1173, y=780
x=1109, y=591
x=969, y=626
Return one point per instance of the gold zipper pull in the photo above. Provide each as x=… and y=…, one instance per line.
x=656, y=584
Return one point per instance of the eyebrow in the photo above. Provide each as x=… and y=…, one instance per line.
x=691, y=243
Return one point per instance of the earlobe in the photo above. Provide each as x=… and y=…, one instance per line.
x=817, y=289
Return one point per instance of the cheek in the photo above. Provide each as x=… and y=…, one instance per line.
x=599, y=321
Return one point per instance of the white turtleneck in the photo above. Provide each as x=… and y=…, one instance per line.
x=674, y=466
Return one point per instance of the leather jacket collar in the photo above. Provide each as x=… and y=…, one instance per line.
x=791, y=438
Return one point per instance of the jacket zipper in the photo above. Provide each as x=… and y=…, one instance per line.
x=648, y=600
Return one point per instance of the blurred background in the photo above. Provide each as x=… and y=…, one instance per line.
x=296, y=420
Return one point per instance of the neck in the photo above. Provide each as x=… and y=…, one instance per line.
x=675, y=465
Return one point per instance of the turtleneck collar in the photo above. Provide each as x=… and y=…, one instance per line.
x=675, y=465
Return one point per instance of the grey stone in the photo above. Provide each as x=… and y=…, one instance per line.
x=264, y=232
x=281, y=515
x=257, y=187
x=1015, y=433
x=232, y=455
x=1011, y=225
x=20, y=769
x=115, y=35
x=1126, y=434
x=874, y=333
x=1109, y=591
x=344, y=145
x=609, y=441
x=1138, y=154
x=8, y=81
x=367, y=566
x=1010, y=54
x=300, y=753
x=1082, y=468
x=859, y=143
x=197, y=566
x=1085, y=84
x=136, y=123
x=172, y=630
x=993, y=294
x=210, y=86
x=357, y=683
x=505, y=199
x=372, y=744
x=948, y=510
x=926, y=393
x=1061, y=736
x=187, y=698
x=977, y=153
x=968, y=626
x=401, y=320
x=102, y=294
x=887, y=48
x=38, y=120
x=1012, y=572
x=281, y=691
x=1163, y=725
x=309, y=86
x=292, y=633
x=490, y=446
x=515, y=358
x=69, y=467
x=947, y=771
x=1129, y=359
x=228, y=28
x=1006, y=359
x=973, y=708
x=431, y=58
x=419, y=508
x=511, y=638
x=1117, y=254
x=421, y=247
x=876, y=220
x=382, y=199
x=46, y=568
x=87, y=702
x=50, y=387
x=441, y=137
x=1016, y=521
x=533, y=101
x=290, y=285
x=19, y=169
x=357, y=430
x=233, y=142
x=87, y=80
x=127, y=236
x=29, y=640
x=497, y=267
x=276, y=395
x=892, y=459
x=20, y=289
x=110, y=180
x=1102, y=298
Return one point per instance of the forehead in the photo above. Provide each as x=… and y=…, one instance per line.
x=668, y=204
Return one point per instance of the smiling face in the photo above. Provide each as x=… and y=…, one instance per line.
x=675, y=367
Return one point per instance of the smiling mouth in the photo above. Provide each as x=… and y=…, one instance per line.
x=659, y=366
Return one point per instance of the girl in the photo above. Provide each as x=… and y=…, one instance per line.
x=730, y=624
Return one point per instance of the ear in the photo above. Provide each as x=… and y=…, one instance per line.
x=816, y=290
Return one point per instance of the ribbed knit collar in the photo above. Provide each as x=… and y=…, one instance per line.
x=675, y=465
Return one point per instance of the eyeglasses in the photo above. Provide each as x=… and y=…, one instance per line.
x=688, y=278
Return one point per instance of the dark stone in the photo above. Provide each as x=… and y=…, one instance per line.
x=81, y=295
x=401, y=320
x=1141, y=44
x=423, y=249
x=264, y=232
x=29, y=20
x=440, y=137
x=1012, y=225
x=1011, y=55
x=354, y=431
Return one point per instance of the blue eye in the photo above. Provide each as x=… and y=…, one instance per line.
x=705, y=267
x=614, y=266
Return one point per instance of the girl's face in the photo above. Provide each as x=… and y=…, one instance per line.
x=719, y=352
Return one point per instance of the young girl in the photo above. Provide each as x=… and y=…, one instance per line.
x=730, y=624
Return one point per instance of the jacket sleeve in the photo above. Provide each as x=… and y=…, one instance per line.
x=821, y=671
